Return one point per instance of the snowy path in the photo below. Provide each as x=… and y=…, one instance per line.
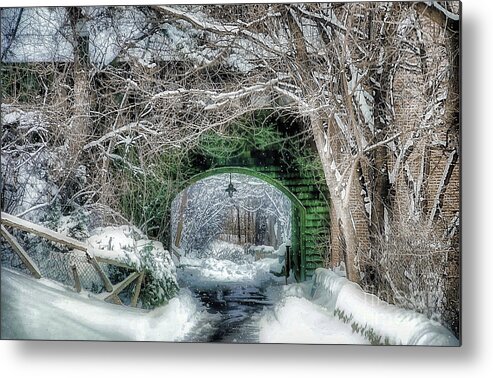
x=232, y=292
x=251, y=305
x=220, y=301
x=236, y=311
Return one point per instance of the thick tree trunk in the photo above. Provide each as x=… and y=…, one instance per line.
x=380, y=189
x=351, y=241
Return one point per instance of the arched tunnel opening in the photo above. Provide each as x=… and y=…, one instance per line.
x=234, y=235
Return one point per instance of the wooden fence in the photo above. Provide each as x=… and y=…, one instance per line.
x=93, y=256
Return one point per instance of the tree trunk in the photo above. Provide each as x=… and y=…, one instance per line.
x=79, y=128
x=339, y=206
x=238, y=222
x=181, y=217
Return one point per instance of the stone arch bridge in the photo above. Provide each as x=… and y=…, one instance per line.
x=279, y=166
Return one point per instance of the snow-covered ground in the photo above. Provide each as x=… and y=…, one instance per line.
x=331, y=309
x=219, y=268
x=328, y=309
x=43, y=309
x=377, y=320
x=298, y=320
x=211, y=272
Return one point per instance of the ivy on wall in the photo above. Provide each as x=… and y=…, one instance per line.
x=254, y=132
x=147, y=199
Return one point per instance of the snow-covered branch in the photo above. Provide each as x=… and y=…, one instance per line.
x=134, y=126
x=382, y=143
x=234, y=30
x=217, y=96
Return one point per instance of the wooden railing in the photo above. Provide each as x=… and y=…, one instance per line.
x=176, y=252
x=112, y=291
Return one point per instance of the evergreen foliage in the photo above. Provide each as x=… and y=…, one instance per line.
x=253, y=132
x=160, y=280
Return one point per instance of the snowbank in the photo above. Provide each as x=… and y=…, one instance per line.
x=42, y=309
x=128, y=245
x=297, y=320
x=224, y=264
x=332, y=310
x=116, y=243
x=377, y=320
x=211, y=272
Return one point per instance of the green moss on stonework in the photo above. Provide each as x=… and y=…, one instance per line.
x=240, y=138
x=256, y=146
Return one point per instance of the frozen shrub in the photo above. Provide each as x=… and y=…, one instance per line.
x=160, y=284
x=128, y=245
x=408, y=267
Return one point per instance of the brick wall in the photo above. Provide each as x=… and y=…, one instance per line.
x=427, y=185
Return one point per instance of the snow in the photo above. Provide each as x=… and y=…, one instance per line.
x=388, y=323
x=44, y=23
x=212, y=272
x=334, y=169
x=117, y=243
x=27, y=190
x=42, y=309
x=208, y=205
x=297, y=320
x=29, y=305
x=224, y=264
x=128, y=245
x=332, y=310
x=12, y=117
x=264, y=249
x=329, y=309
x=239, y=62
x=107, y=37
x=37, y=190
x=326, y=310
x=363, y=98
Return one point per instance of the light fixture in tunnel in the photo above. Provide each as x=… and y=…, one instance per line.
x=230, y=189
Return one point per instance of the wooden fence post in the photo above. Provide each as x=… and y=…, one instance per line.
x=23, y=225
x=30, y=264
x=118, y=288
x=138, y=285
x=76, y=278
x=107, y=284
